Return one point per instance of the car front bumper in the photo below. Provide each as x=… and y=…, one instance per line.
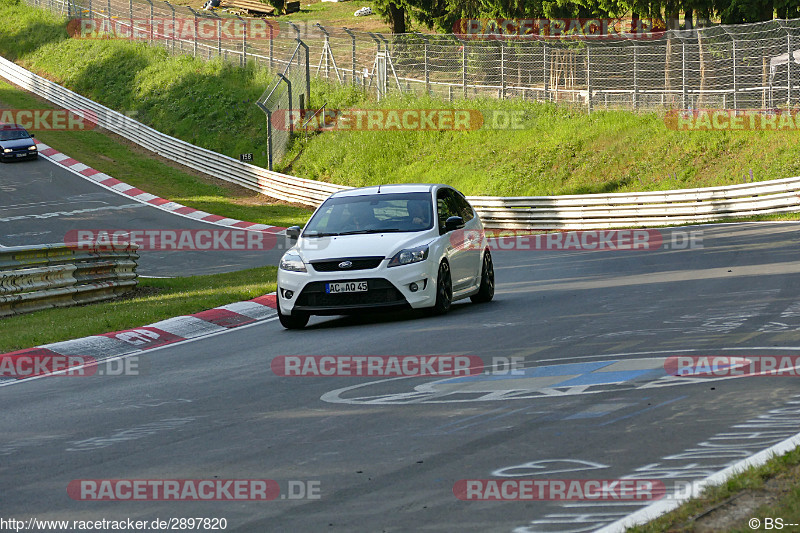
x=387, y=289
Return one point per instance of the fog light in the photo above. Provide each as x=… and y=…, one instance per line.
x=413, y=287
x=288, y=294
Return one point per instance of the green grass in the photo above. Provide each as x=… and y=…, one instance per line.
x=558, y=151
x=783, y=468
x=174, y=297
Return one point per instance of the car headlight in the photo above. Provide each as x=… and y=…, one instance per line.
x=33, y=147
x=7, y=150
x=408, y=256
x=292, y=263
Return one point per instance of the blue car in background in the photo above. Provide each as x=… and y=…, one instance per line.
x=16, y=143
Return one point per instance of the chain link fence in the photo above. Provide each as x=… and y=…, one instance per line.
x=283, y=100
x=749, y=66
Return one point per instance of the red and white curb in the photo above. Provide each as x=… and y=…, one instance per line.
x=173, y=330
x=139, y=195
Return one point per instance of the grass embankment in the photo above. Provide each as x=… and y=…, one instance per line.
x=771, y=490
x=154, y=300
x=558, y=151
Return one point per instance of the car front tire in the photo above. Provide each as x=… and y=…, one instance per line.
x=486, y=291
x=294, y=320
x=444, y=290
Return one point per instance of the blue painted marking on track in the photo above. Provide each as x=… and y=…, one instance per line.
x=599, y=378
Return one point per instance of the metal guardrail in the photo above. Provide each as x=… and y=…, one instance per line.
x=273, y=184
x=617, y=210
x=590, y=211
x=60, y=275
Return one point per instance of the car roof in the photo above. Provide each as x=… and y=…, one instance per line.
x=387, y=189
x=13, y=127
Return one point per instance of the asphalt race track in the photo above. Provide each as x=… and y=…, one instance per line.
x=41, y=201
x=593, y=330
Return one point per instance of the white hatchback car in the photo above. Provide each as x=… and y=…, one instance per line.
x=382, y=248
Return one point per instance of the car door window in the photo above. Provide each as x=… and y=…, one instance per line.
x=445, y=207
x=464, y=209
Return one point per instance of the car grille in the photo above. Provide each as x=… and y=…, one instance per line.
x=380, y=291
x=359, y=263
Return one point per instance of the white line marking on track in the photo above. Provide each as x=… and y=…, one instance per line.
x=143, y=202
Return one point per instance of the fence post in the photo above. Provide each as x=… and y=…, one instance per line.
x=269, y=133
x=425, y=63
x=733, y=57
x=172, y=32
x=464, y=66
x=289, y=86
x=789, y=72
x=270, y=46
x=353, y=39
x=219, y=34
x=194, y=15
x=635, y=76
x=130, y=16
x=244, y=40
x=108, y=15
x=588, y=80
x=502, y=71
x=545, y=76
x=683, y=74
x=152, y=37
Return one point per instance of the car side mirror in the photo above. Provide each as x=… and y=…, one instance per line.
x=453, y=223
x=293, y=232
x=32, y=135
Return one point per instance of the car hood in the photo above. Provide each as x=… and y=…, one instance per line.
x=370, y=245
x=16, y=144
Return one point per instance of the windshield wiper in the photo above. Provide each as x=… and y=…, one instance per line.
x=315, y=234
x=365, y=231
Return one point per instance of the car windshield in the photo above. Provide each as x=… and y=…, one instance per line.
x=12, y=134
x=374, y=213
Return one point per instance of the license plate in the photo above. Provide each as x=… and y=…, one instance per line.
x=348, y=286
x=21, y=155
